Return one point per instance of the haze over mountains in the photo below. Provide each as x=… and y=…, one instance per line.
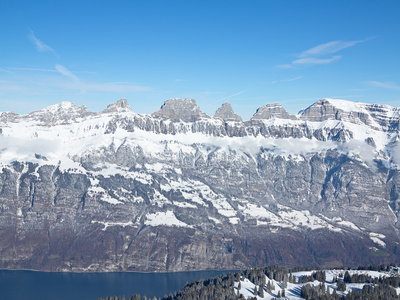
x=180, y=190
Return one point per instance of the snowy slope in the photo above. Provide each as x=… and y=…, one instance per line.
x=292, y=291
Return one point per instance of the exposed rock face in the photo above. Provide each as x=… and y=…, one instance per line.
x=271, y=111
x=226, y=113
x=185, y=110
x=118, y=107
x=374, y=115
x=63, y=113
x=119, y=191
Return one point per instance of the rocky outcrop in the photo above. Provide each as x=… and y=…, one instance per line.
x=185, y=110
x=63, y=113
x=118, y=107
x=377, y=116
x=226, y=113
x=271, y=111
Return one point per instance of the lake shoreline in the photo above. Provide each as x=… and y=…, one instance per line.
x=109, y=272
x=84, y=286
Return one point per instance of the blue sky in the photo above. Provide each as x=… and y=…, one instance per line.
x=249, y=53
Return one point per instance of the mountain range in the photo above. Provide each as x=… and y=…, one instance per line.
x=179, y=190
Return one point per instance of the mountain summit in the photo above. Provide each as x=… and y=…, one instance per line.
x=226, y=113
x=185, y=110
x=118, y=107
x=271, y=111
x=62, y=113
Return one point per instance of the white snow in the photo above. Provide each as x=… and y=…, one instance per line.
x=292, y=290
x=234, y=220
x=109, y=224
x=377, y=239
x=100, y=193
x=167, y=218
x=304, y=218
x=216, y=221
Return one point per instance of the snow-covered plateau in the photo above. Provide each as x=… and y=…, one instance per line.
x=180, y=190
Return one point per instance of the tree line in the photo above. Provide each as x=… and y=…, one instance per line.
x=222, y=287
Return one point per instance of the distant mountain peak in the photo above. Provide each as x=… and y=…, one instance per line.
x=271, y=111
x=183, y=109
x=119, y=106
x=377, y=116
x=226, y=113
x=63, y=112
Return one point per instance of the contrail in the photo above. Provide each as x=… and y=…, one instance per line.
x=223, y=99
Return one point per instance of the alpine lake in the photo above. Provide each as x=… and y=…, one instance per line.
x=24, y=285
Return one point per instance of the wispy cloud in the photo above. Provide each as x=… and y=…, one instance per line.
x=84, y=87
x=385, y=85
x=225, y=98
x=321, y=54
x=61, y=78
x=40, y=46
x=293, y=79
x=67, y=73
x=117, y=87
x=287, y=80
x=32, y=69
x=5, y=71
x=315, y=61
x=329, y=48
x=46, y=70
x=11, y=86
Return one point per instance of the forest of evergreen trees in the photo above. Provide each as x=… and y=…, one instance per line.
x=222, y=287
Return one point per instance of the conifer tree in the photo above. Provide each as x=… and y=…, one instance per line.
x=261, y=290
x=269, y=286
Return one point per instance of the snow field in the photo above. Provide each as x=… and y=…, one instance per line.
x=167, y=218
x=293, y=290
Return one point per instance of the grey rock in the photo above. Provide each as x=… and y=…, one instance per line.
x=8, y=116
x=118, y=107
x=176, y=110
x=63, y=113
x=377, y=116
x=271, y=111
x=226, y=113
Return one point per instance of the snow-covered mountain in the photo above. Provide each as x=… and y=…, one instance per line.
x=180, y=190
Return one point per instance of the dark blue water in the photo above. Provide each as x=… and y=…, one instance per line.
x=28, y=285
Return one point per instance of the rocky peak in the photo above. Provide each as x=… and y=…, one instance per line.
x=180, y=110
x=320, y=111
x=377, y=116
x=8, y=116
x=118, y=107
x=226, y=113
x=271, y=111
x=64, y=112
